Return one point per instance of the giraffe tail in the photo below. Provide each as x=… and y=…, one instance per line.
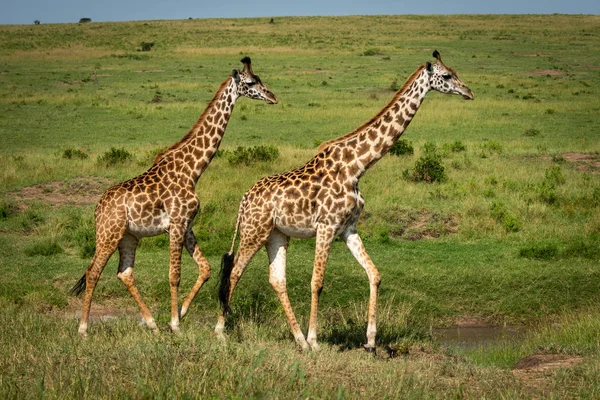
x=227, y=263
x=79, y=287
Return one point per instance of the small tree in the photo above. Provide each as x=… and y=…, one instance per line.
x=84, y=20
x=36, y=22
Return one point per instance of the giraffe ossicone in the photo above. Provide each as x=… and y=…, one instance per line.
x=322, y=199
x=163, y=200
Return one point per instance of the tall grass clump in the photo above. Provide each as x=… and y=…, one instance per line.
x=500, y=212
x=43, y=247
x=7, y=208
x=553, y=177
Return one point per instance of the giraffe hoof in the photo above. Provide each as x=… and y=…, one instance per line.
x=182, y=312
x=370, y=349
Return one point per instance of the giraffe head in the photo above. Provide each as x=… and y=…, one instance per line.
x=444, y=79
x=250, y=85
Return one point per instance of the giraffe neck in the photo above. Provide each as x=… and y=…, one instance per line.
x=196, y=149
x=363, y=147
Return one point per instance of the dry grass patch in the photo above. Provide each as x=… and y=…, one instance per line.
x=78, y=191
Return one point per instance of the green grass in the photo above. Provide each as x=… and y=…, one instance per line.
x=511, y=235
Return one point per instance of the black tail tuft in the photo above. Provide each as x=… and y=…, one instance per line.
x=226, y=267
x=79, y=287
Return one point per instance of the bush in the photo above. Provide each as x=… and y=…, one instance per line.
x=70, y=154
x=371, y=52
x=251, y=155
x=532, y=132
x=429, y=148
x=457, y=146
x=115, y=157
x=147, y=46
x=428, y=168
x=402, y=147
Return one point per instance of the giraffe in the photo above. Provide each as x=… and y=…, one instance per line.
x=322, y=199
x=163, y=199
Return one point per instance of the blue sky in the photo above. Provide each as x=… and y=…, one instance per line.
x=59, y=11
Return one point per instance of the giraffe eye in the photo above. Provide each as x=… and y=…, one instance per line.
x=446, y=76
x=250, y=83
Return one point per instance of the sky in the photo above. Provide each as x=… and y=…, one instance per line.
x=69, y=11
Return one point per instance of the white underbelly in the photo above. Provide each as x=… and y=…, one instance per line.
x=297, y=232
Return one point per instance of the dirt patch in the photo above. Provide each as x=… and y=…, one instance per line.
x=149, y=70
x=584, y=162
x=78, y=191
x=536, y=54
x=536, y=370
x=423, y=224
x=550, y=72
x=98, y=312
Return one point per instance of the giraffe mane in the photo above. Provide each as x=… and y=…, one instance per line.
x=399, y=93
x=193, y=130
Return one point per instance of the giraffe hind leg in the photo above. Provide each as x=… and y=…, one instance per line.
x=276, y=250
x=88, y=282
x=127, y=247
x=231, y=272
x=204, y=274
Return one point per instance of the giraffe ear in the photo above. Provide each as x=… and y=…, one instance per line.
x=236, y=75
x=428, y=66
x=436, y=55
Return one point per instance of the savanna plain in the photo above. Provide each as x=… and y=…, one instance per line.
x=505, y=230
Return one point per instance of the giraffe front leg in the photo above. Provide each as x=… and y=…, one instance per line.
x=277, y=250
x=176, y=237
x=325, y=237
x=204, y=274
x=357, y=249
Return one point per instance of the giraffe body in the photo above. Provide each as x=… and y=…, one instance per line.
x=163, y=200
x=322, y=199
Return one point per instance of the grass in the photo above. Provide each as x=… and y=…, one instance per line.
x=511, y=235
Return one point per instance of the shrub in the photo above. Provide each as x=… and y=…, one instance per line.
x=371, y=52
x=428, y=168
x=70, y=154
x=115, y=157
x=251, y=155
x=429, y=148
x=457, y=146
x=532, y=132
x=402, y=147
x=147, y=46
x=45, y=247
